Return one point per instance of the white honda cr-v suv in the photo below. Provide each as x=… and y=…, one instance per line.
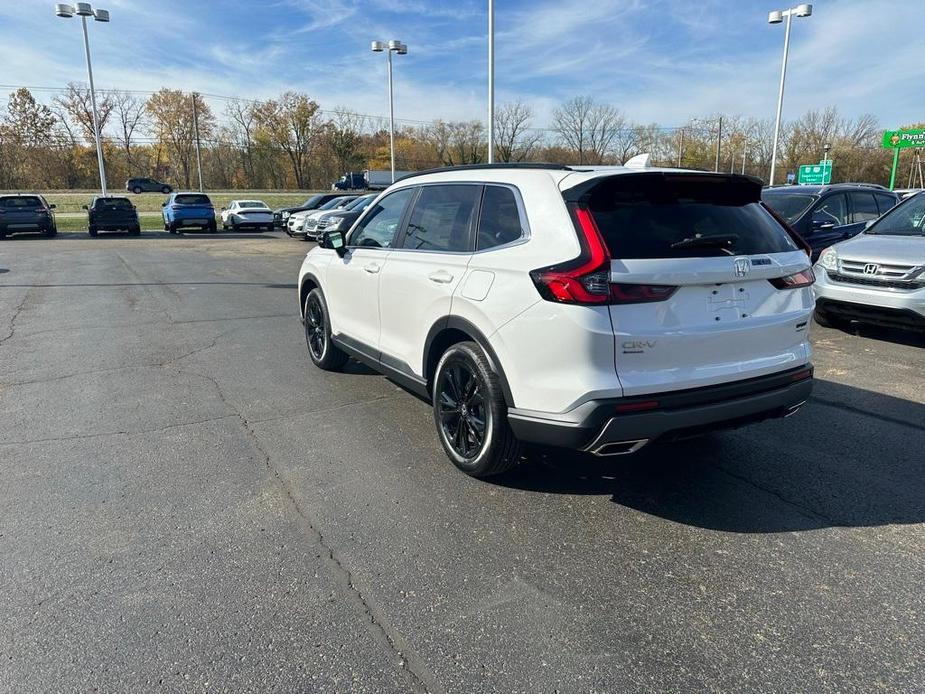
x=591, y=309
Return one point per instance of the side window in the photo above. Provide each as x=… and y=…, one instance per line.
x=884, y=202
x=833, y=210
x=864, y=207
x=378, y=228
x=442, y=218
x=499, y=221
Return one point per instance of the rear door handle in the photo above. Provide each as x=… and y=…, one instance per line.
x=441, y=277
x=372, y=268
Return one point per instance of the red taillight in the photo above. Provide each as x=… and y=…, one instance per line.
x=640, y=293
x=584, y=280
x=795, y=281
x=802, y=375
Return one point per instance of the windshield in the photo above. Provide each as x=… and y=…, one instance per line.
x=355, y=204
x=906, y=219
x=113, y=204
x=251, y=204
x=331, y=204
x=192, y=200
x=787, y=205
x=312, y=201
x=20, y=201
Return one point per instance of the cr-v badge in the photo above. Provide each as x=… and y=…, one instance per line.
x=742, y=266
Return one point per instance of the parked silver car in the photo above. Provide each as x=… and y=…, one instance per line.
x=879, y=275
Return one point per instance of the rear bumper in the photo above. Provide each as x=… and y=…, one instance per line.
x=598, y=426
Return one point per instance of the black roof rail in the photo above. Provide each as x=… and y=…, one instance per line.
x=482, y=167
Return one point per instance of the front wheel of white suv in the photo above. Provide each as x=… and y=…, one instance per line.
x=470, y=413
x=324, y=353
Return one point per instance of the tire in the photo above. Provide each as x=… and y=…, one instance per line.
x=322, y=350
x=166, y=190
x=52, y=231
x=825, y=320
x=135, y=231
x=213, y=227
x=92, y=231
x=171, y=229
x=136, y=190
x=467, y=391
x=234, y=226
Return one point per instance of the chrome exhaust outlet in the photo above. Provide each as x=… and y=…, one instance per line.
x=793, y=409
x=615, y=448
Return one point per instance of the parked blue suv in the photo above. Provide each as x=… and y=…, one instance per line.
x=188, y=210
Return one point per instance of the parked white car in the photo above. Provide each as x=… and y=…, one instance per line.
x=247, y=214
x=598, y=310
x=877, y=277
x=295, y=225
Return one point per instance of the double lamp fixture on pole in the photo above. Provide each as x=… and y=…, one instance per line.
x=393, y=46
x=84, y=10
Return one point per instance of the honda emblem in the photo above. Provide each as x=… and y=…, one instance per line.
x=871, y=269
x=742, y=267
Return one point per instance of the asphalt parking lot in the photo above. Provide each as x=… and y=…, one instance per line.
x=186, y=504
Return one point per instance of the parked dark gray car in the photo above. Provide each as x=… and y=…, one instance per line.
x=26, y=213
x=112, y=213
x=147, y=185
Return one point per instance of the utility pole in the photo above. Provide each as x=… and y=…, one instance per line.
x=196, y=129
x=719, y=140
x=680, y=144
x=491, y=81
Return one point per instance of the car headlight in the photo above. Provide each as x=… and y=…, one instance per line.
x=285, y=215
x=332, y=223
x=829, y=259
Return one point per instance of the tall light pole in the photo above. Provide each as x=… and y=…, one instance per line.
x=83, y=10
x=777, y=17
x=393, y=46
x=491, y=81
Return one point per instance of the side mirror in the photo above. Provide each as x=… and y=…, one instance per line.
x=334, y=241
x=84, y=207
x=52, y=206
x=223, y=209
x=164, y=204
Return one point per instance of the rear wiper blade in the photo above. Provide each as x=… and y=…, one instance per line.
x=706, y=241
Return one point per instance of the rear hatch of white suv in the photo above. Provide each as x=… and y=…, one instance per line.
x=704, y=285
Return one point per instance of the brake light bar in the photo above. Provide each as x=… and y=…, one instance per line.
x=804, y=278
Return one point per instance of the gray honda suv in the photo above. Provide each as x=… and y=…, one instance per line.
x=879, y=275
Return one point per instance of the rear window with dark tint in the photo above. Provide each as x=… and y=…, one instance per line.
x=113, y=204
x=680, y=216
x=20, y=201
x=192, y=200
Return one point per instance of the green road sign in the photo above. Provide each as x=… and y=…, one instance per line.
x=816, y=174
x=900, y=139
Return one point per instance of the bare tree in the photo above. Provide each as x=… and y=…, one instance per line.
x=514, y=139
x=456, y=142
x=588, y=127
x=242, y=117
x=129, y=113
x=78, y=105
x=172, y=113
x=293, y=124
x=344, y=138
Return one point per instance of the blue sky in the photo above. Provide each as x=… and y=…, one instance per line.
x=657, y=60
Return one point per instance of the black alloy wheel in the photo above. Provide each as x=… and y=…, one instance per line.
x=324, y=353
x=470, y=412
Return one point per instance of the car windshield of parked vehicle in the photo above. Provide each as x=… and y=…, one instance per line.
x=906, y=220
x=113, y=204
x=356, y=203
x=190, y=199
x=787, y=205
x=682, y=216
x=331, y=204
x=20, y=201
x=312, y=201
x=253, y=204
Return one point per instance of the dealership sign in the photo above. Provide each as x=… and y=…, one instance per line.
x=900, y=139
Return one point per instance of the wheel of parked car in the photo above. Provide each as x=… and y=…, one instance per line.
x=52, y=231
x=171, y=229
x=324, y=353
x=135, y=231
x=470, y=413
x=213, y=228
x=165, y=190
x=91, y=231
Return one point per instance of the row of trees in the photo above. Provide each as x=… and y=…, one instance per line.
x=289, y=143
